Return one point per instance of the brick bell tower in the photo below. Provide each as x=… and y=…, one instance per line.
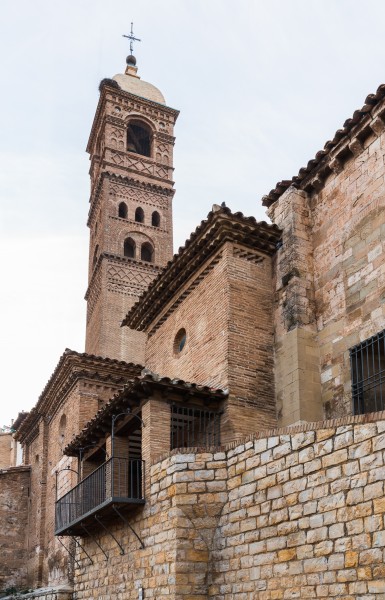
x=130, y=217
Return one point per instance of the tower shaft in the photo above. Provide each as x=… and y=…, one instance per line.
x=130, y=216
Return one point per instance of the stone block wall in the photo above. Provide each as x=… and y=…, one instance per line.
x=349, y=273
x=14, y=492
x=304, y=516
x=52, y=593
x=290, y=513
x=330, y=275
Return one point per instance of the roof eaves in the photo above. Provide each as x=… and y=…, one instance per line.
x=220, y=226
x=360, y=119
x=139, y=388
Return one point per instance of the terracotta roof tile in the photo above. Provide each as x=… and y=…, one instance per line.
x=371, y=101
x=221, y=225
x=139, y=387
x=81, y=365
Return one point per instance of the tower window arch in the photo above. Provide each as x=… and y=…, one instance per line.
x=139, y=215
x=129, y=248
x=122, y=212
x=147, y=252
x=62, y=426
x=139, y=138
x=155, y=219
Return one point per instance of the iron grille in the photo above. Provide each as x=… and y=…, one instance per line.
x=194, y=427
x=368, y=374
x=118, y=479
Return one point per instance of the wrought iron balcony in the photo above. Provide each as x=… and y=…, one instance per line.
x=118, y=482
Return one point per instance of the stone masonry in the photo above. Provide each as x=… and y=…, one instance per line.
x=291, y=513
x=330, y=270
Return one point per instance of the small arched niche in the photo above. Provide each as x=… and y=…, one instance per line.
x=122, y=211
x=139, y=137
x=129, y=248
x=155, y=219
x=62, y=426
x=147, y=252
x=139, y=215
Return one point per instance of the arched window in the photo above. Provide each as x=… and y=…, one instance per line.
x=147, y=252
x=139, y=215
x=123, y=210
x=155, y=219
x=129, y=248
x=139, y=138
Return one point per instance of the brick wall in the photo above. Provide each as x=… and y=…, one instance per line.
x=117, y=175
x=80, y=406
x=226, y=311
x=14, y=492
x=47, y=562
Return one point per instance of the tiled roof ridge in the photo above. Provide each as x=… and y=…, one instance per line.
x=359, y=115
x=214, y=215
x=138, y=384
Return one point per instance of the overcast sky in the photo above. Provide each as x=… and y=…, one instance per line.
x=261, y=86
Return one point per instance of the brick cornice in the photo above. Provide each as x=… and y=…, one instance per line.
x=71, y=368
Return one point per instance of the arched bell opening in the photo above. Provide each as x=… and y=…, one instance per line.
x=129, y=248
x=147, y=252
x=139, y=138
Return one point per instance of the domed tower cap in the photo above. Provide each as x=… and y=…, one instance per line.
x=131, y=60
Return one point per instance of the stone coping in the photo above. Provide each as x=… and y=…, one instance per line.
x=288, y=430
x=60, y=593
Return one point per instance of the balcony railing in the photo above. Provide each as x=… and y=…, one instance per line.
x=117, y=481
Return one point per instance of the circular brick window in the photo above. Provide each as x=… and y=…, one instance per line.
x=180, y=341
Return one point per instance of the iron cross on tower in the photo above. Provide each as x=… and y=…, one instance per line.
x=132, y=39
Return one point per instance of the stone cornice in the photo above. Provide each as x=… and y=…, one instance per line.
x=347, y=142
x=71, y=368
x=221, y=226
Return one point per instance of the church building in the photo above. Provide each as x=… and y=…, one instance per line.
x=223, y=434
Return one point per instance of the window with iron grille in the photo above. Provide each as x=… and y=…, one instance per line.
x=368, y=374
x=194, y=427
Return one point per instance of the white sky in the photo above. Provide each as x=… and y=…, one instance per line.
x=261, y=85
